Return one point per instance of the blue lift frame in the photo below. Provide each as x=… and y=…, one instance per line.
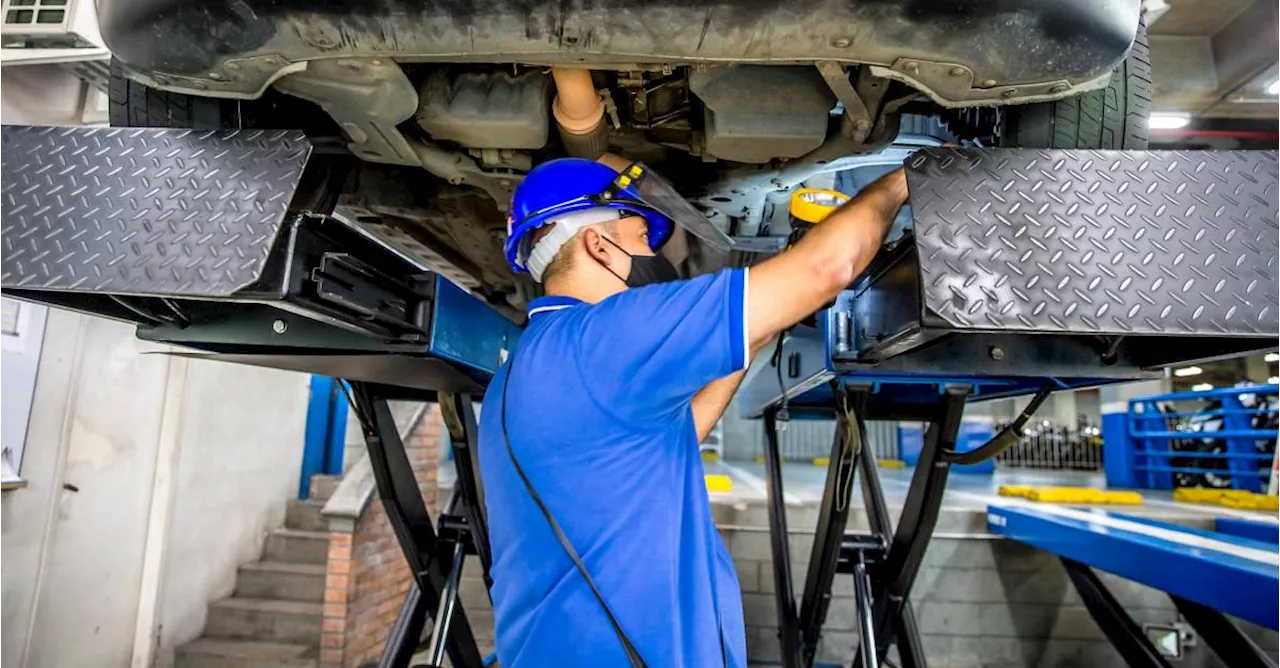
x=1206, y=573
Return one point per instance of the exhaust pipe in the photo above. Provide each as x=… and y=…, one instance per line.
x=579, y=113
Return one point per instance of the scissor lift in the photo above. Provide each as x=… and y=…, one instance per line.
x=1026, y=271
x=1207, y=574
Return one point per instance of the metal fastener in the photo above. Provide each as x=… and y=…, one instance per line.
x=279, y=326
x=1009, y=93
x=1060, y=88
x=375, y=61
x=215, y=76
x=996, y=352
x=911, y=66
x=956, y=71
x=987, y=83
x=841, y=42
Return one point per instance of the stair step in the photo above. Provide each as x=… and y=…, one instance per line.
x=217, y=653
x=296, y=546
x=281, y=580
x=264, y=619
x=304, y=515
x=323, y=486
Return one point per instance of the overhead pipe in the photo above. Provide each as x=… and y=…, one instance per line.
x=579, y=113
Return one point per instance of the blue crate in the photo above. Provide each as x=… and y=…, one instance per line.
x=1151, y=446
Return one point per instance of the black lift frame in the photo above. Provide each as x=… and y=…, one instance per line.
x=883, y=563
x=435, y=552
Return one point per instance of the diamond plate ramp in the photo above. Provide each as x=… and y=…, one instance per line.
x=144, y=211
x=1098, y=242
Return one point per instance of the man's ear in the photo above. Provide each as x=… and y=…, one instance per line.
x=596, y=246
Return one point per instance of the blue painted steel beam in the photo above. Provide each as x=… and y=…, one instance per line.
x=319, y=409
x=1265, y=532
x=1229, y=574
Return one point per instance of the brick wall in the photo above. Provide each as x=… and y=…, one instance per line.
x=367, y=576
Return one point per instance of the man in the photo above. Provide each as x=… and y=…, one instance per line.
x=604, y=551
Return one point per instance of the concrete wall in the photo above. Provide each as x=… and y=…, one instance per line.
x=40, y=95
x=20, y=346
x=149, y=478
x=240, y=457
x=73, y=540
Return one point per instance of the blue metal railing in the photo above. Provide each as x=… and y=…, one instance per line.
x=1215, y=438
x=326, y=431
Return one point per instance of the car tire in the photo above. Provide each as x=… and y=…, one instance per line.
x=135, y=105
x=1114, y=117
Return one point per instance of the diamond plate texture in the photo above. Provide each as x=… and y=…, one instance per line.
x=143, y=210
x=1109, y=242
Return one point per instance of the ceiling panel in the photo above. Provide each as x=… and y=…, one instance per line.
x=1197, y=17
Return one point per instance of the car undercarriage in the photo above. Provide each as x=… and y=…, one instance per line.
x=324, y=188
x=448, y=106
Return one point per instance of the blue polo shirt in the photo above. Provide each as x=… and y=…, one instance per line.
x=599, y=417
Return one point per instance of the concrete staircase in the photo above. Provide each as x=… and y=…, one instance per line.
x=272, y=620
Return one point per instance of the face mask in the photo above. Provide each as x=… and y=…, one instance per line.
x=646, y=269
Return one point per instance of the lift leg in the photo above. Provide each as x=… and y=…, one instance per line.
x=910, y=648
x=429, y=556
x=460, y=419
x=833, y=517
x=1234, y=648
x=1121, y=630
x=919, y=515
x=862, y=591
x=784, y=596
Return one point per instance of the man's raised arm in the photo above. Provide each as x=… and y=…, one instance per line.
x=793, y=284
x=798, y=281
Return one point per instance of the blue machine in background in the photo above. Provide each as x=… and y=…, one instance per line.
x=973, y=433
x=1222, y=438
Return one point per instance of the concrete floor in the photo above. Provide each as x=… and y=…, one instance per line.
x=802, y=485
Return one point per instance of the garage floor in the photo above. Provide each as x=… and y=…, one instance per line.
x=802, y=484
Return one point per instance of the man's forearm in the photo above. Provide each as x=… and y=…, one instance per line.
x=709, y=403
x=798, y=281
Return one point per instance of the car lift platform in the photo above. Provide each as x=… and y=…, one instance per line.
x=1206, y=573
x=1027, y=271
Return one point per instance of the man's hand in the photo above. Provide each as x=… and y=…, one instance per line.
x=795, y=283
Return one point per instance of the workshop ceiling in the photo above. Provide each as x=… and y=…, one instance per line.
x=1192, y=18
x=1214, y=58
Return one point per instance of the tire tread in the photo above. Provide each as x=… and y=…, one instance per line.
x=1114, y=117
x=133, y=104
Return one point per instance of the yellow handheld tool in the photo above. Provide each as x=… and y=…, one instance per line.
x=813, y=205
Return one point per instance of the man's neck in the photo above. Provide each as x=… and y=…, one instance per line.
x=589, y=291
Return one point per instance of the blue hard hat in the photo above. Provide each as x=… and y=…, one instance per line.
x=566, y=185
